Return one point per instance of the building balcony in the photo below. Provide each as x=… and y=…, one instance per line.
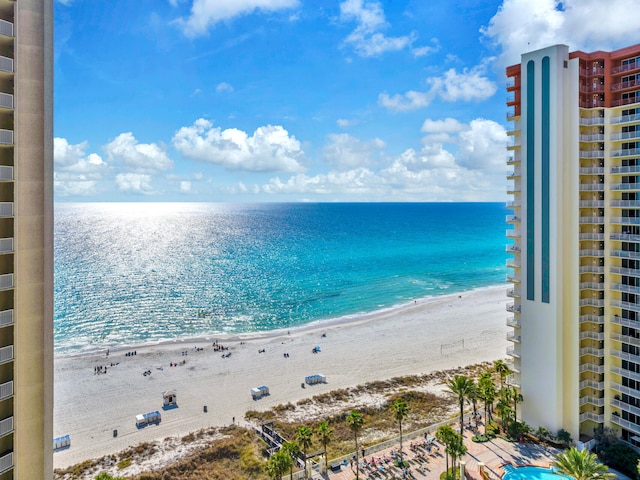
x=511, y=263
x=513, y=233
x=592, y=203
x=626, y=220
x=513, y=308
x=6, y=354
x=592, y=219
x=591, y=153
x=625, y=203
x=6, y=28
x=6, y=64
x=592, y=137
x=6, y=318
x=591, y=253
x=6, y=100
x=6, y=390
x=6, y=426
x=625, y=339
x=6, y=209
x=625, y=322
x=592, y=171
x=591, y=269
x=513, y=380
x=591, y=286
x=625, y=186
x=591, y=103
x=624, y=254
x=513, y=146
x=511, y=352
x=511, y=248
x=590, y=72
x=591, y=384
x=625, y=237
x=625, y=152
x=625, y=118
x=591, y=187
x=513, y=293
x=591, y=335
x=625, y=271
x=625, y=288
x=626, y=373
x=629, y=169
x=6, y=281
x=6, y=245
x=591, y=236
x=6, y=173
x=512, y=337
x=598, y=402
x=597, y=319
x=512, y=219
x=591, y=416
x=628, y=67
x=513, y=175
x=591, y=367
x=594, y=352
x=513, y=279
x=626, y=305
x=513, y=322
x=626, y=407
x=623, y=101
x=513, y=204
x=6, y=462
x=511, y=116
x=624, y=85
x=632, y=427
x=6, y=137
x=624, y=135
x=591, y=120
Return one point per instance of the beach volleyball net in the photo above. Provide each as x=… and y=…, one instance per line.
x=448, y=348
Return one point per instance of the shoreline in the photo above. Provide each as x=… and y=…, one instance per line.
x=268, y=334
x=437, y=333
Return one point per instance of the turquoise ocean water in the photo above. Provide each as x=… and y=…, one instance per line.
x=131, y=273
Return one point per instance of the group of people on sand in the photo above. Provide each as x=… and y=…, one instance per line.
x=100, y=369
x=175, y=364
x=131, y=354
x=218, y=347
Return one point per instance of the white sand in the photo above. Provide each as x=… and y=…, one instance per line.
x=406, y=341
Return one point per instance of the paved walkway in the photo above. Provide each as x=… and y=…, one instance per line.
x=430, y=464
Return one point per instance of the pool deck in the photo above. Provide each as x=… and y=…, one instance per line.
x=429, y=465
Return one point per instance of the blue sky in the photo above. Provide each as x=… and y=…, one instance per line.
x=299, y=100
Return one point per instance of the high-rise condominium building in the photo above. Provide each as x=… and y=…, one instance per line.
x=575, y=157
x=26, y=239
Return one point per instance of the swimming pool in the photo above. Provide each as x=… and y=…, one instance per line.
x=531, y=473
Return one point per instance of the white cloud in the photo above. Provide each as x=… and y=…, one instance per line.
x=345, y=123
x=185, y=186
x=135, y=183
x=206, y=13
x=137, y=157
x=345, y=152
x=65, y=186
x=269, y=149
x=426, y=49
x=76, y=173
x=224, y=87
x=366, y=39
x=467, y=85
x=471, y=170
x=521, y=26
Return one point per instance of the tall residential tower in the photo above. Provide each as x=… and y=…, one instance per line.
x=26, y=239
x=575, y=157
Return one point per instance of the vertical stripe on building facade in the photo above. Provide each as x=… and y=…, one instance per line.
x=545, y=153
x=531, y=180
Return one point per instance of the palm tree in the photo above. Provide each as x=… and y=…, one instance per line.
x=460, y=385
x=303, y=437
x=355, y=421
x=502, y=369
x=325, y=434
x=517, y=398
x=293, y=450
x=456, y=450
x=488, y=394
x=445, y=435
x=400, y=409
x=504, y=407
x=474, y=395
x=278, y=464
x=581, y=465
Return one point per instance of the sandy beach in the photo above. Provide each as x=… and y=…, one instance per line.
x=425, y=336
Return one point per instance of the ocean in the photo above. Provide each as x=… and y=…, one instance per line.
x=135, y=273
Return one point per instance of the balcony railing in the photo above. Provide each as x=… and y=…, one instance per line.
x=6, y=137
x=625, y=424
x=591, y=286
x=625, y=288
x=625, y=68
x=625, y=339
x=6, y=390
x=6, y=354
x=630, y=169
x=625, y=271
x=591, y=103
x=591, y=367
x=513, y=279
x=626, y=220
x=512, y=337
x=591, y=187
x=6, y=462
x=588, y=121
x=6, y=173
x=625, y=186
x=591, y=302
x=593, y=137
x=6, y=426
x=591, y=252
x=6, y=100
x=6, y=318
x=626, y=305
x=513, y=380
x=625, y=322
x=511, y=248
x=625, y=118
x=591, y=335
x=599, y=402
x=513, y=204
x=514, y=308
x=626, y=373
x=625, y=203
x=6, y=281
x=625, y=135
x=513, y=293
x=591, y=269
x=599, y=319
x=512, y=352
x=592, y=171
x=591, y=219
x=6, y=209
x=6, y=245
x=513, y=233
x=512, y=322
x=6, y=28
x=596, y=352
x=512, y=218
x=591, y=416
x=6, y=64
x=625, y=152
x=511, y=263
x=592, y=153
x=591, y=236
x=591, y=384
